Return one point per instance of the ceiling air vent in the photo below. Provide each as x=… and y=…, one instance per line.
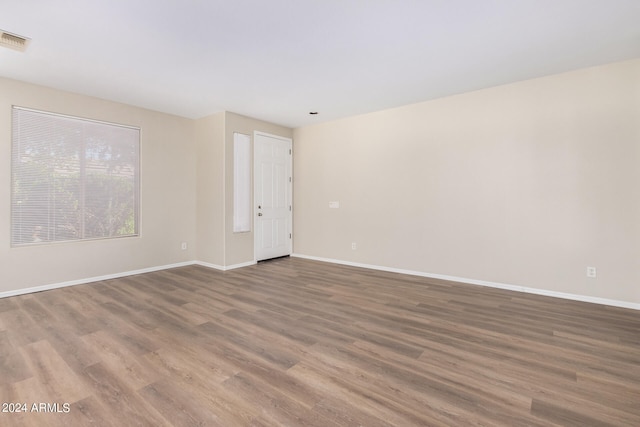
x=13, y=41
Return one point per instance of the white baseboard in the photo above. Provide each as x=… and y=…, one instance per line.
x=209, y=265
x=575, y=297
x=23, y=291
x=222, y=267
x=244, y=264
x=582, y=298
x=91, y=279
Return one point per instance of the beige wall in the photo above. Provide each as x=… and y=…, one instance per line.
x=210, y=189
x=239, y=246
x=525, y=184
x=186, y=193
x=168, y=198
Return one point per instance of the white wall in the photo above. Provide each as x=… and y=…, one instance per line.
x=168, y=198
x=525, y=184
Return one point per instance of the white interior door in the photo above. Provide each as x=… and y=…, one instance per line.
x=272, y=196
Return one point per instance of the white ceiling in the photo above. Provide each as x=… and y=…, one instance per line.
x=277, y=60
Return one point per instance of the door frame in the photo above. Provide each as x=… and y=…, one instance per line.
x=289, y=186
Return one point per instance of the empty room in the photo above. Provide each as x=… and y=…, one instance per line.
x=320, y=213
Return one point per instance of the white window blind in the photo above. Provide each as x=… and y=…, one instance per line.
x=72, y=178
x=241, y=183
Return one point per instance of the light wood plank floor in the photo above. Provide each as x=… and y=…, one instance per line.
x=297, y=342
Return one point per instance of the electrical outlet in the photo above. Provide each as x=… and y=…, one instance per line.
x=591, y=272
x=354, y=246
x=184, y=246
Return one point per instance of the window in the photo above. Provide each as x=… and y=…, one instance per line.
x=241, y=183
x=72, y=178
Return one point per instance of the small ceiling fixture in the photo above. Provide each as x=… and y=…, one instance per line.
x=313, y=113
x=13, y=41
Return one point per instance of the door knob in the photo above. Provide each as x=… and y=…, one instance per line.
x=259, y=213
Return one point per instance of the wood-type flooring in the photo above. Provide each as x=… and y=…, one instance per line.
x=303, y=343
